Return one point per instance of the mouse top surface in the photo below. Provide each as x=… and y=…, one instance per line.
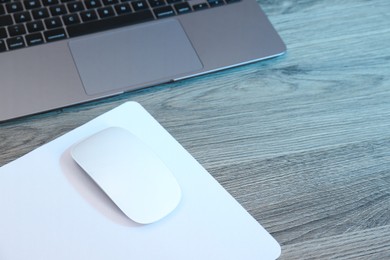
x=130, y=173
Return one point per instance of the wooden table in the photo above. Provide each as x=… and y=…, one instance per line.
x=301, y=141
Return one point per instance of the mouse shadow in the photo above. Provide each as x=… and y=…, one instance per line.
x=91, y=192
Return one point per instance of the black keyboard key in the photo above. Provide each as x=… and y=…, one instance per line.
x=50, y=2
x=52, y=23
x=55, y=35
x=200, y=6
x=5, y=20
x=163, y=12
x=35, y=26
x=182, y=8
x=2, y=10
x=14, y=7
x=71, y=19
x=109, y=23
x=89, y=15
x=139, y=5
x=3, y=33
x=92, y=4
x=173, y=1
x=75, y=7
x=213, y=3
x=40, y=13
x=34, y=39
x=2, y=46
x=58, y=10
x=110, y=2
x=32, y=4
x=105, y=12
x=15, y=30
x=15, y=43
x=122, y=8
x=156, y=3
x=22, y=17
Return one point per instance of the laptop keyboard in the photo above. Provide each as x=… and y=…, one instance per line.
x=32, y=22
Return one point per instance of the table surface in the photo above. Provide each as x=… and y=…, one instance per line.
x=302, y=141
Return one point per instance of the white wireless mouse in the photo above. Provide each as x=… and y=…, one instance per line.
x=130, y=173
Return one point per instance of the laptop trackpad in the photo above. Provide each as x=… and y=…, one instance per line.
x=138, y=56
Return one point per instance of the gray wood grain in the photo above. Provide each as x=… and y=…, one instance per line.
x=301, y=141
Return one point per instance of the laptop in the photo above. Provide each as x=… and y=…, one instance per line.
x=57, y=53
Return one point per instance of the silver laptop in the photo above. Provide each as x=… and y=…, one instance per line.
x=56, y=53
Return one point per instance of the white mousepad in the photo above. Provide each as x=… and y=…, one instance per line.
x=50, y=210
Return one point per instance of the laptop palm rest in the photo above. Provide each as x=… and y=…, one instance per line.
x=133, y=57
